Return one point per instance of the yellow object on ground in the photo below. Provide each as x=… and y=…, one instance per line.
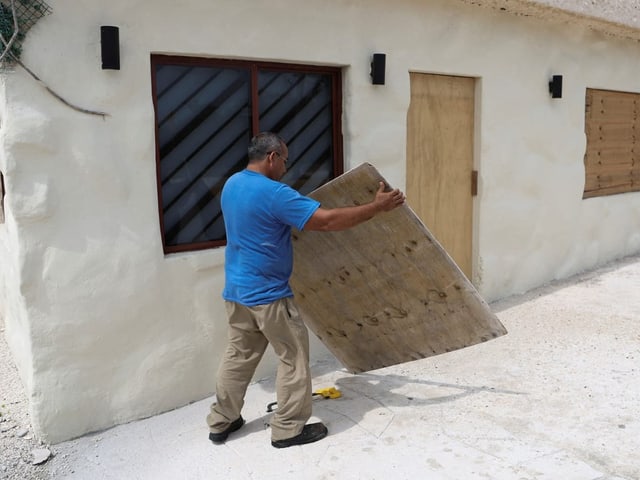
x=331, y=392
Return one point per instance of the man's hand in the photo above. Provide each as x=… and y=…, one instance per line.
x=388, y=200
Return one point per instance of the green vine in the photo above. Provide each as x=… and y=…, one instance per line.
x=22, y=14
x=16, y=17
x=7, y=31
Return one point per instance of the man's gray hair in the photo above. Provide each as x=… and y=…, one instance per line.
x=263, y=144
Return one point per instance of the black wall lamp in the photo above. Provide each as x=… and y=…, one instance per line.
x=110, y=47
x=555, y=86
x=378, y=64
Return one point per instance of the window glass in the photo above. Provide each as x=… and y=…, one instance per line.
x=298, y=106
x=207, y=110
x=203, y=127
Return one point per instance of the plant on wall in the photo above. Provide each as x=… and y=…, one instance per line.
x=16, y=18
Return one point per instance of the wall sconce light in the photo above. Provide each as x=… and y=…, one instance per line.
x=110, y=47
x=555, y=86
x=378, y=64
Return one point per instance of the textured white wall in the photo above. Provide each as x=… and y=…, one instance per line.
x=119, y=331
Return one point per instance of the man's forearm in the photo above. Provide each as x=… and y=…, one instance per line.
x=342, y=218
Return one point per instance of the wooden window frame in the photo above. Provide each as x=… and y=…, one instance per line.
x=1, y=198
x=254, y=66
x=612, y=156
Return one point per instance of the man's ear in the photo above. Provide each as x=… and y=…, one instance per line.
x=269, y=163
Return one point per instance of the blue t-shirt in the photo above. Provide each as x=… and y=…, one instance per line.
x=258, y=216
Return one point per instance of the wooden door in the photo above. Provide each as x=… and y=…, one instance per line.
x=440, y=132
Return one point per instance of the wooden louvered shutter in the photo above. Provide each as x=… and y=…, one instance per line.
x=612, y=159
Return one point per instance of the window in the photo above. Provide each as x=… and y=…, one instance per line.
x=612, y=126
x=207, y=110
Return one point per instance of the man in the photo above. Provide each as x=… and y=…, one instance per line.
x=259, y=212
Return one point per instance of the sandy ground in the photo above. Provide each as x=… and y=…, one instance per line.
x=17, y=441
x=556, y=398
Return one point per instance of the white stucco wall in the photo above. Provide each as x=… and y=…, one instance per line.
x=12, y=256
x=107, y=329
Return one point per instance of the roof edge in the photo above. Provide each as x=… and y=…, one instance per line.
x=613, y=19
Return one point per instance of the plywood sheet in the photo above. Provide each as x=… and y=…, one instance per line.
x=384, y=292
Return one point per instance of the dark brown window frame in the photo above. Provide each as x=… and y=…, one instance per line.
x=1, y=198
x=254, y=66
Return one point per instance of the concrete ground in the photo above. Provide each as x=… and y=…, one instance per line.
x=557, y=398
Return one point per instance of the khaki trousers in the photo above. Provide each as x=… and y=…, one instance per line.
x=251, y=329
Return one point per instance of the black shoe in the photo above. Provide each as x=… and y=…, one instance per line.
x=222, y=436
x=310, y=433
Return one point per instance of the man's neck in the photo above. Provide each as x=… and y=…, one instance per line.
x=259, y=167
